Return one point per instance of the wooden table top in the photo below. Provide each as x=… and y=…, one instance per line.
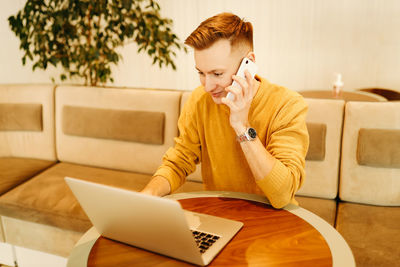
x=292, y=236
x=269, y=237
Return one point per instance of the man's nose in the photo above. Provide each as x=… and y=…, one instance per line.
x=209, y=84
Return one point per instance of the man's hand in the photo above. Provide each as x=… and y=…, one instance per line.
x=239, y=108
x=158, y=186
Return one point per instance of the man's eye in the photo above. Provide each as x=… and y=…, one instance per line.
x=200, y=73
x=217, y=74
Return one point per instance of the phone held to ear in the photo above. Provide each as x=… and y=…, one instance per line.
x=246, y=64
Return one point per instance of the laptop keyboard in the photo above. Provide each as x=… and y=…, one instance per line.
x=204, y=240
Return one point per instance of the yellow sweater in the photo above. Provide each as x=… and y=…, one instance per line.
x=277, y=114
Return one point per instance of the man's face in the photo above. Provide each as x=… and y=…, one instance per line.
x=216, y=65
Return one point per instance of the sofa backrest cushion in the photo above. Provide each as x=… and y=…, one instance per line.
x=365, y=183
x=109, y=141
x=324, y=122
x=27, y=121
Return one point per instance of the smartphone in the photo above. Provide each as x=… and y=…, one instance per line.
x=246, y=64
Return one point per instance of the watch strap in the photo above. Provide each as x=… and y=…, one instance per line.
x=246, y=136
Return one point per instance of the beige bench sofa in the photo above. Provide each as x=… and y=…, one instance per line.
x=117, y=137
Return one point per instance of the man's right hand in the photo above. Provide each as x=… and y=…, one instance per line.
x=158, y=186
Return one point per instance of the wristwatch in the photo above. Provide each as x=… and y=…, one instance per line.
x=249, y=135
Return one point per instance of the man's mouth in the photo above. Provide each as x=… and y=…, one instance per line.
x=218, y=94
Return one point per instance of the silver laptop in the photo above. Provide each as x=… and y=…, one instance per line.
x=153, y=223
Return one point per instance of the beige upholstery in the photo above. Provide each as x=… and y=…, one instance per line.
x=40, y=237
x=317, y=135
x=324, y=208
x=322, y=175
x=379, y=147
x=196, y=175
x=54, y=212
x=372, y=232
x=109, y=153
x=126, y=125
x=56, y=205
x=368, y=184
x=15, y=171
x=30, y=144
x=20, y=117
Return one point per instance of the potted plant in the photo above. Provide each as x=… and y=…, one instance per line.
x=82, y=36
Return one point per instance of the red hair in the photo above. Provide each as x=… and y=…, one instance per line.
x=222, y=26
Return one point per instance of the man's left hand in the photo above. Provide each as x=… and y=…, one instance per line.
x=239, y=107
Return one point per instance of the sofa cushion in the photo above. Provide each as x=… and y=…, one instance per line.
x=127, y=125
x=322, y=172
x=372, y=232
x=324, y=208
x=368, y=184
x=15, y=171
x=47, y=199
x=379, y=147
x=41, y=237
x=33, y=136
x=20, y=117
x=109, y=153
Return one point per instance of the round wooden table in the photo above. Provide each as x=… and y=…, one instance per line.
x=269, y=237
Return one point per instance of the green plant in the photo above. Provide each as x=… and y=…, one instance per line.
x=83, y=35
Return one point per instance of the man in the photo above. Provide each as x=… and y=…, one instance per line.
x=216, y=131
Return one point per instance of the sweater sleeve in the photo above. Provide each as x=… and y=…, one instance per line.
x=180, y=161
x=288, y=143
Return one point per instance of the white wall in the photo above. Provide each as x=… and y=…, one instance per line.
x=298, y=43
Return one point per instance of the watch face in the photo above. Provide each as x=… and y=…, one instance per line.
x=252, y=133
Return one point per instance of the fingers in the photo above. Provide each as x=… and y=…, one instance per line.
x=242, y=89
x=249, y=92
x=245, y=84
x=230, y=102
x=235, y=90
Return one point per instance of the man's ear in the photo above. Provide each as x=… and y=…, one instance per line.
x=251, y=56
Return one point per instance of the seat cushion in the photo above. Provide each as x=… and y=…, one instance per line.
x=324, y=208
x=373, y=233
x=47, y=199
x=15, y=171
